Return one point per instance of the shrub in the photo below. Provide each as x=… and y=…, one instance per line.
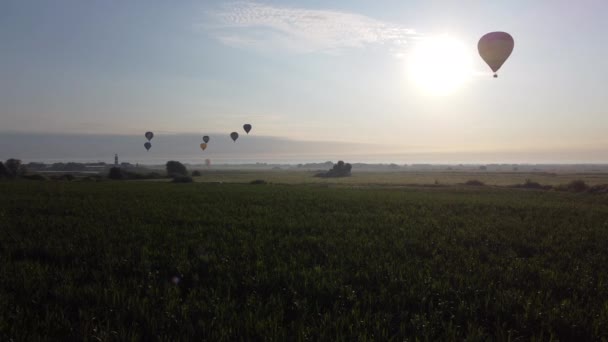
x=3, y=170
x=116, y=173
x=535, y=185
x=196, y=173
x=175, y=168
x=13, y=167
x=340, y=169
x=258, y=182
x=182, y=179
x=474, y=182
x=577, y=186
x=528, y=184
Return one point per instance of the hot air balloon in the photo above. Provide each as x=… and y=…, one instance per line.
x=247, y=128
x=206, y=139
x=495, y=48
x=208, y=162
x=149, y=135
x=203, y=146
x=147, y=145
x=234, y=136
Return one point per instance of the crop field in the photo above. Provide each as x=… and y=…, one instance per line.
x=401, y=178
x=141, y=260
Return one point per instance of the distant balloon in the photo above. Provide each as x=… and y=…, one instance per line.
x=147, y=145
x=247, y=128
x=207, y=162
x=206, y=139
x=203, y=146
x=234, y=136
x=495, y=48
x=149, y=135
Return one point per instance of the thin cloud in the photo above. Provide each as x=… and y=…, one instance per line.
x=254, y=25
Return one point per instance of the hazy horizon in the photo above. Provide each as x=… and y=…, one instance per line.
x=39, y=147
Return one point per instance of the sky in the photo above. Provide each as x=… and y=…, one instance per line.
x=336, y=76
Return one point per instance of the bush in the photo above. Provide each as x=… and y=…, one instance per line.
x=577, y=186
x=175, y=168
x=531, y=185
x=196, y=173
x=3, y=170
x=258, y=182
x=13, y=168
x=528, y=184
x=340, y=169
x=474, y=182
x=116, y=173
x=182, y=179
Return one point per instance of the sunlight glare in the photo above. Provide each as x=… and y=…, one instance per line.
x=440, y=65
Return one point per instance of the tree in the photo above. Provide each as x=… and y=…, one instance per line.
x=115, y=173
x=175, y=168
x=196, y=173
x=340, y=169
x=35, y=166
x=3, y=170
x=13, y=166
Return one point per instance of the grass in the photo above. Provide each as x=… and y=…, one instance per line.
x=401, y=178
x=229, y=262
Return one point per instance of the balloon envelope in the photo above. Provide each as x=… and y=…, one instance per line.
x=495, y=48
x=203, y=146
x=149, y=135
x=206, y=139
x=147, y=146
x=247, y=128
x=234, y=136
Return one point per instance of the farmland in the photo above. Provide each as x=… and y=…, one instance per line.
x=402, y=178
x=149, y=260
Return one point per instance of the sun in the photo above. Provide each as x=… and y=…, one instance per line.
x=440, y=65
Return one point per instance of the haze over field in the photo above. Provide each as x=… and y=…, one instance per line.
x=50, y=148
x=401, y=82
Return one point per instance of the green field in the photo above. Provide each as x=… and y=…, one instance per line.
x=97, y=261
x=402, y=178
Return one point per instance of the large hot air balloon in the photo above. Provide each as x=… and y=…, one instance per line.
x=203, y=146
x=149, y=135
x=234, y=136
x=495, y=48
x=147, y=145
x=247, y=128
x=206, y=139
